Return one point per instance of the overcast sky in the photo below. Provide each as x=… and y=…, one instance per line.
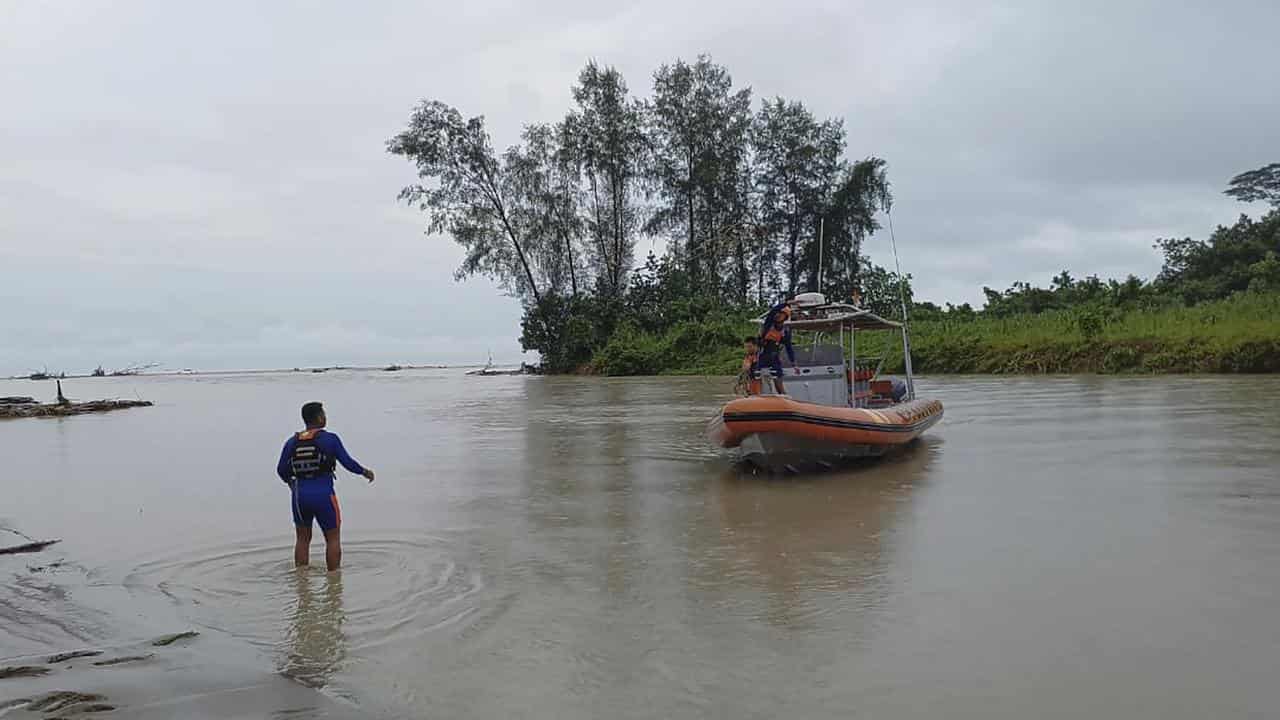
x=204, y=184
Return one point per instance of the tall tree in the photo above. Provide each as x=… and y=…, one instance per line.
x=467, y=193
x=743, y=228
x=1260, y=184
x=1201, y=270
x=882, y=290
x=545, y=199
x=699, y=130
x=606, y=137
x=797, y=162
x=862, y=191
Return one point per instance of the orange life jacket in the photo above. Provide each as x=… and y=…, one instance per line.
x=748, y=364
x=775, y=330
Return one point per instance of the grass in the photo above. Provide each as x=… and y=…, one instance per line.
x=1240, y=334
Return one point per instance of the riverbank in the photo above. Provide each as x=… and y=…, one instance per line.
x=179, y=675
x=74, y=645
x=1240, y=334
x=9, y=410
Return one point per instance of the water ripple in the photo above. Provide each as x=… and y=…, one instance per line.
x=390, y=590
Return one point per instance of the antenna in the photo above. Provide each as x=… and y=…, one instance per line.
x=822, y=226
x=902, y=297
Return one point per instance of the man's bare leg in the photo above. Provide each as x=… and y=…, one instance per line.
x=302, y=547
x=332, y=549
x=777, y=385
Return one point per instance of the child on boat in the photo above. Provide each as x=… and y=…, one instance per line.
x=750, y=364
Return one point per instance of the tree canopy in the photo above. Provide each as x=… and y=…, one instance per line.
x=740, y=201
x=1254, y=185
x=740, y=196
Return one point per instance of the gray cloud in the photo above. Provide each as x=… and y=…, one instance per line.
x=204, y=185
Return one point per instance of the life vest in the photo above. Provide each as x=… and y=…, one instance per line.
x=774, y=324
x=748, y=369
x=308, y=459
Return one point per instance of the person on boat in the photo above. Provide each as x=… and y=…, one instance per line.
x=306, y=465
x=774, y=337
x=751, y=364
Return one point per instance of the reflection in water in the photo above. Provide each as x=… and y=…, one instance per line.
x=315, y=643
x=817, y=543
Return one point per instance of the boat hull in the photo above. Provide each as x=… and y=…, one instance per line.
x=776, y=432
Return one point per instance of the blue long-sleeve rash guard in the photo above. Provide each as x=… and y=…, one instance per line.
x=786, y=345
x=331, y=445
x=785, y=342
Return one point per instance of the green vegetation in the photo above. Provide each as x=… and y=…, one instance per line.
x=1238, y=334
x=750, y=205
x=1215, y=307
x=738, y=196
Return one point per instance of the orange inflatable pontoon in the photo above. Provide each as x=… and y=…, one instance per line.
x=776, y=430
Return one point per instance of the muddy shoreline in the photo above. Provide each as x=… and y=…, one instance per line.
x=170, y=672
x=32, y=410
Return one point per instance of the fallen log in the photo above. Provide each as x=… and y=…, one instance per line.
x=17, y=400
x=68, y=408
x=22, y=671
x=28, y=547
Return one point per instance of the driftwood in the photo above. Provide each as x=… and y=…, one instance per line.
x=68, y=408
x=74, y=703
x=22, y=671
x=27, y=547
x=73, y=655
x=170, y=639
x=17, y=400
x=125, y=659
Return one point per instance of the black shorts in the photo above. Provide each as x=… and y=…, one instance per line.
x=772, y=360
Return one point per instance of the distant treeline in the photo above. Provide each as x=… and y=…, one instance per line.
x=741, y=191
x=1215, y=307
x=1241, y=257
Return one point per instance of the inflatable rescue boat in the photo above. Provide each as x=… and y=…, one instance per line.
x=836, y=406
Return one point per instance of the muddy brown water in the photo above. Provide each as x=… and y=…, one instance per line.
x=572, y=548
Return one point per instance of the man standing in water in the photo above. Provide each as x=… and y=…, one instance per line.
x=306, y=465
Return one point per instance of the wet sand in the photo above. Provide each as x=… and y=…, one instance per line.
x=61, y=607
x=188, y=679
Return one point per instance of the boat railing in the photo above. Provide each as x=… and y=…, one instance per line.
x=824, y=373
x=820, y=376
x=864, y=371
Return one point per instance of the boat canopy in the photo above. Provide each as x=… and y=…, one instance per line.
x=832, y=317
